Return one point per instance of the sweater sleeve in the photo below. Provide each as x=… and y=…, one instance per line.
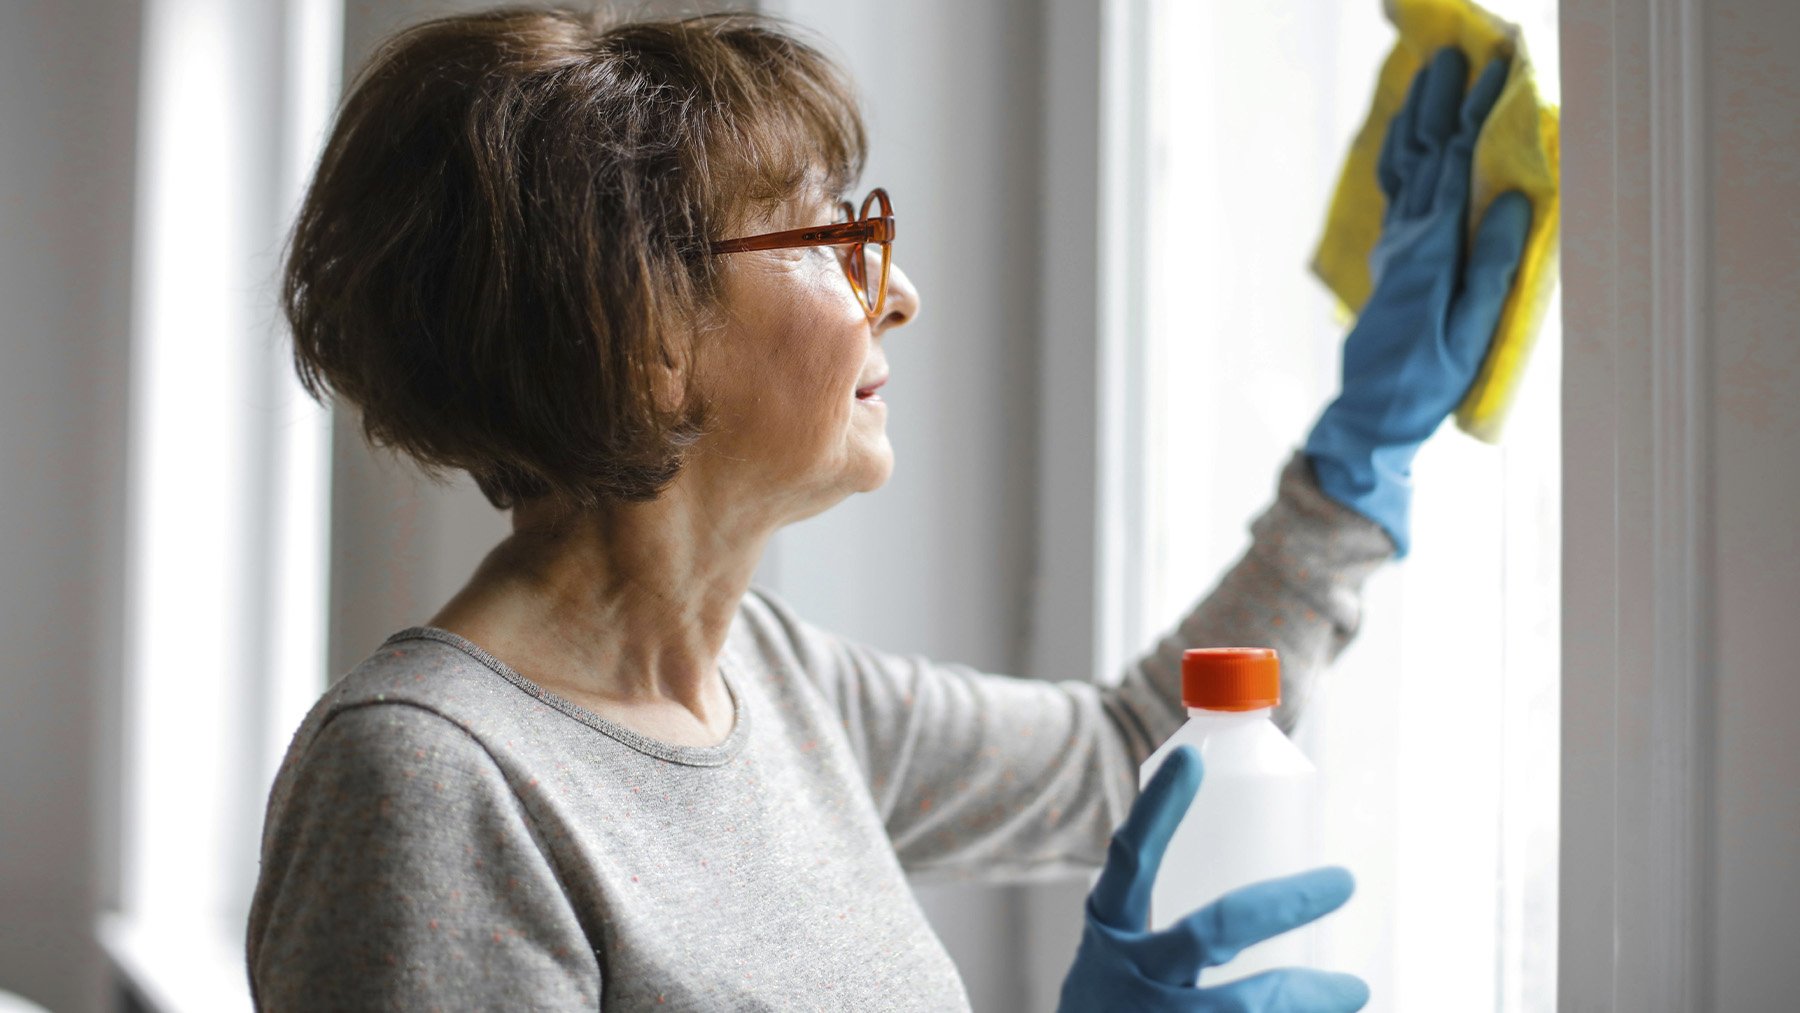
x=1297, y=588
x=399, y=871
x=979, y=775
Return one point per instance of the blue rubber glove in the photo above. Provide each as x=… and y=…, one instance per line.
x=1421, y=338
x=1120, y=967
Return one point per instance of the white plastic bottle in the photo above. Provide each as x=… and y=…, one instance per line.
x=1254, y=817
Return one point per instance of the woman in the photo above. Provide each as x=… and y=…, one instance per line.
x=606, y=270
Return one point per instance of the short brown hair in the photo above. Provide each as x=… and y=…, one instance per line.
x=506, y=236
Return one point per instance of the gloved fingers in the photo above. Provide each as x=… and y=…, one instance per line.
x=1493, y=264
x=1483, y=95
x=1454, y=177
x=1121, y=897
x=1442, y=96
x=1291, y=990
x=1435, y=124
x=1244, y=917
x=1397, y=156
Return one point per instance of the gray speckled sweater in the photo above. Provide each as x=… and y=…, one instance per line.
x=445, y=834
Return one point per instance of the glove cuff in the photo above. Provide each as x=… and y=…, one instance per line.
x=1374, y=481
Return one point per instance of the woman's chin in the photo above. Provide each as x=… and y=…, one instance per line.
x=869, y=473
x=877, y=475
x=874, y=466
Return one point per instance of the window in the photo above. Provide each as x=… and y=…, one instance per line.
x=229, y=476
x=1436, y=732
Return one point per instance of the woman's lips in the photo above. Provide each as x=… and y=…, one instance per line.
x=868, y=393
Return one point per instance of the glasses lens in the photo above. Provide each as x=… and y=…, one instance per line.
x=865, y=263
x=871, y=258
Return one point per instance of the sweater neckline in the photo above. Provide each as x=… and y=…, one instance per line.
x=714, y=755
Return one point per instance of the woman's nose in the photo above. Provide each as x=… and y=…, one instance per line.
x=902, y=301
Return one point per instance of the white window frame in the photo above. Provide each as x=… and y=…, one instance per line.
x=1636, y=628
x=228, y=488
x=1091, y=112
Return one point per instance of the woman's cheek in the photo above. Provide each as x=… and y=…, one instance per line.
x=835, y=359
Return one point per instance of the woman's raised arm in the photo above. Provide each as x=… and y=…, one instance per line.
x=978, y=775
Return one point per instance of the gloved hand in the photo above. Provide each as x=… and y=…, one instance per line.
x=1118, y=966
x=1421, y=337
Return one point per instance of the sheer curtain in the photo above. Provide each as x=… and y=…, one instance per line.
x=1436, y=732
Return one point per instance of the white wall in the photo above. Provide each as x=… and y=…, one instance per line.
x=400, y=545
x=68, y=104
x=1753, y=106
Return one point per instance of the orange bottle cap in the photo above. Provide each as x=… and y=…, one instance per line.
x=1231, y=678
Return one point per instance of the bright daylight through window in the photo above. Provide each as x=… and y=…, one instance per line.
x=1435, y=734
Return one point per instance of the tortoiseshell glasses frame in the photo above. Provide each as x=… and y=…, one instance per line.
x=859, y=230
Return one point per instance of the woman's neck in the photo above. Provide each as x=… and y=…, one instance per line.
x=626, y=613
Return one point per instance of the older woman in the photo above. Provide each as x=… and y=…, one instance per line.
x=609, y=271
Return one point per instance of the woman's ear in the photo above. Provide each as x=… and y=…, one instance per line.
x=669, y=379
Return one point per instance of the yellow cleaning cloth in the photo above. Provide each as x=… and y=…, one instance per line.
x=1517, y=150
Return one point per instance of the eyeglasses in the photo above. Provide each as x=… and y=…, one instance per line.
x=870, y=238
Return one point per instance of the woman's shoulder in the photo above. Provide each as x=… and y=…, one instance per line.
x=428, y=668
x=785, y=646
x=421, y=683
x=771, y=631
